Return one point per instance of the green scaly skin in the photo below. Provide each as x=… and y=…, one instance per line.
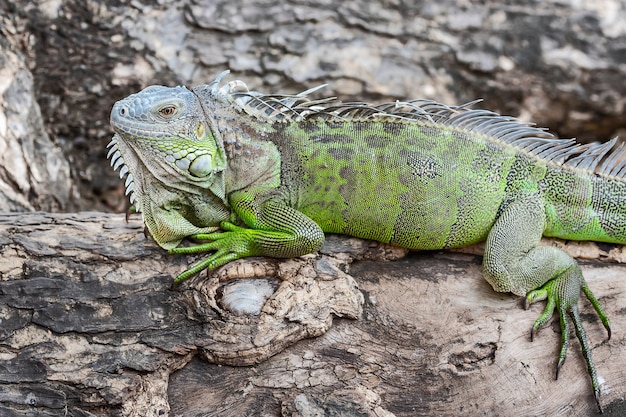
x=253, y=175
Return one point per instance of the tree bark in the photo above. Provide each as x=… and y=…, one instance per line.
x=92, y=326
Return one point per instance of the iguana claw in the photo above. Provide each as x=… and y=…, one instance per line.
x=230, y=245
x=562, y=293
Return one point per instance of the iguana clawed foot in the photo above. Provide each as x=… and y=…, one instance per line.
x=236, y=242
x=562, y=293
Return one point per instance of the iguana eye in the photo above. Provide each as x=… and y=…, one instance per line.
x=168, y=111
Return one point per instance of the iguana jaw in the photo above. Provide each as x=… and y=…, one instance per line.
x=169, y=214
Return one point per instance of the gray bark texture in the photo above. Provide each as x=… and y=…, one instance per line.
x=90, y=324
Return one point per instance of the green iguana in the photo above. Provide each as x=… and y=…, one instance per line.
x=266, y=175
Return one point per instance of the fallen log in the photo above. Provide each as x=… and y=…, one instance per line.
x=93, y=326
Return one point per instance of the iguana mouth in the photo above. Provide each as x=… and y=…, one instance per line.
x=117, y=161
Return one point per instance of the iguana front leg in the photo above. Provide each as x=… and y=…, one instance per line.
x=514, y=263
x=274, y=229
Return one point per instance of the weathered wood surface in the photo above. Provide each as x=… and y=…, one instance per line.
x=91, y=326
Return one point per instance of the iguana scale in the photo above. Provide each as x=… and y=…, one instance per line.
x=251, y=174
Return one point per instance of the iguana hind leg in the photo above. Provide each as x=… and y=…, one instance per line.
x=515, y=263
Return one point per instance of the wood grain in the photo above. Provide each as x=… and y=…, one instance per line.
x=91, y=326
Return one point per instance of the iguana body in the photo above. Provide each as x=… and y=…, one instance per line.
x=275, y=172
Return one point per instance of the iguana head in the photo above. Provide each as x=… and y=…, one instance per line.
x=165, y=145
x=167, y=129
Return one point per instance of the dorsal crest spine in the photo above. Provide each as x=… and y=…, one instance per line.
x=608, y=158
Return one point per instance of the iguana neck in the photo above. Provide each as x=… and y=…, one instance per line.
x=254, y=162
